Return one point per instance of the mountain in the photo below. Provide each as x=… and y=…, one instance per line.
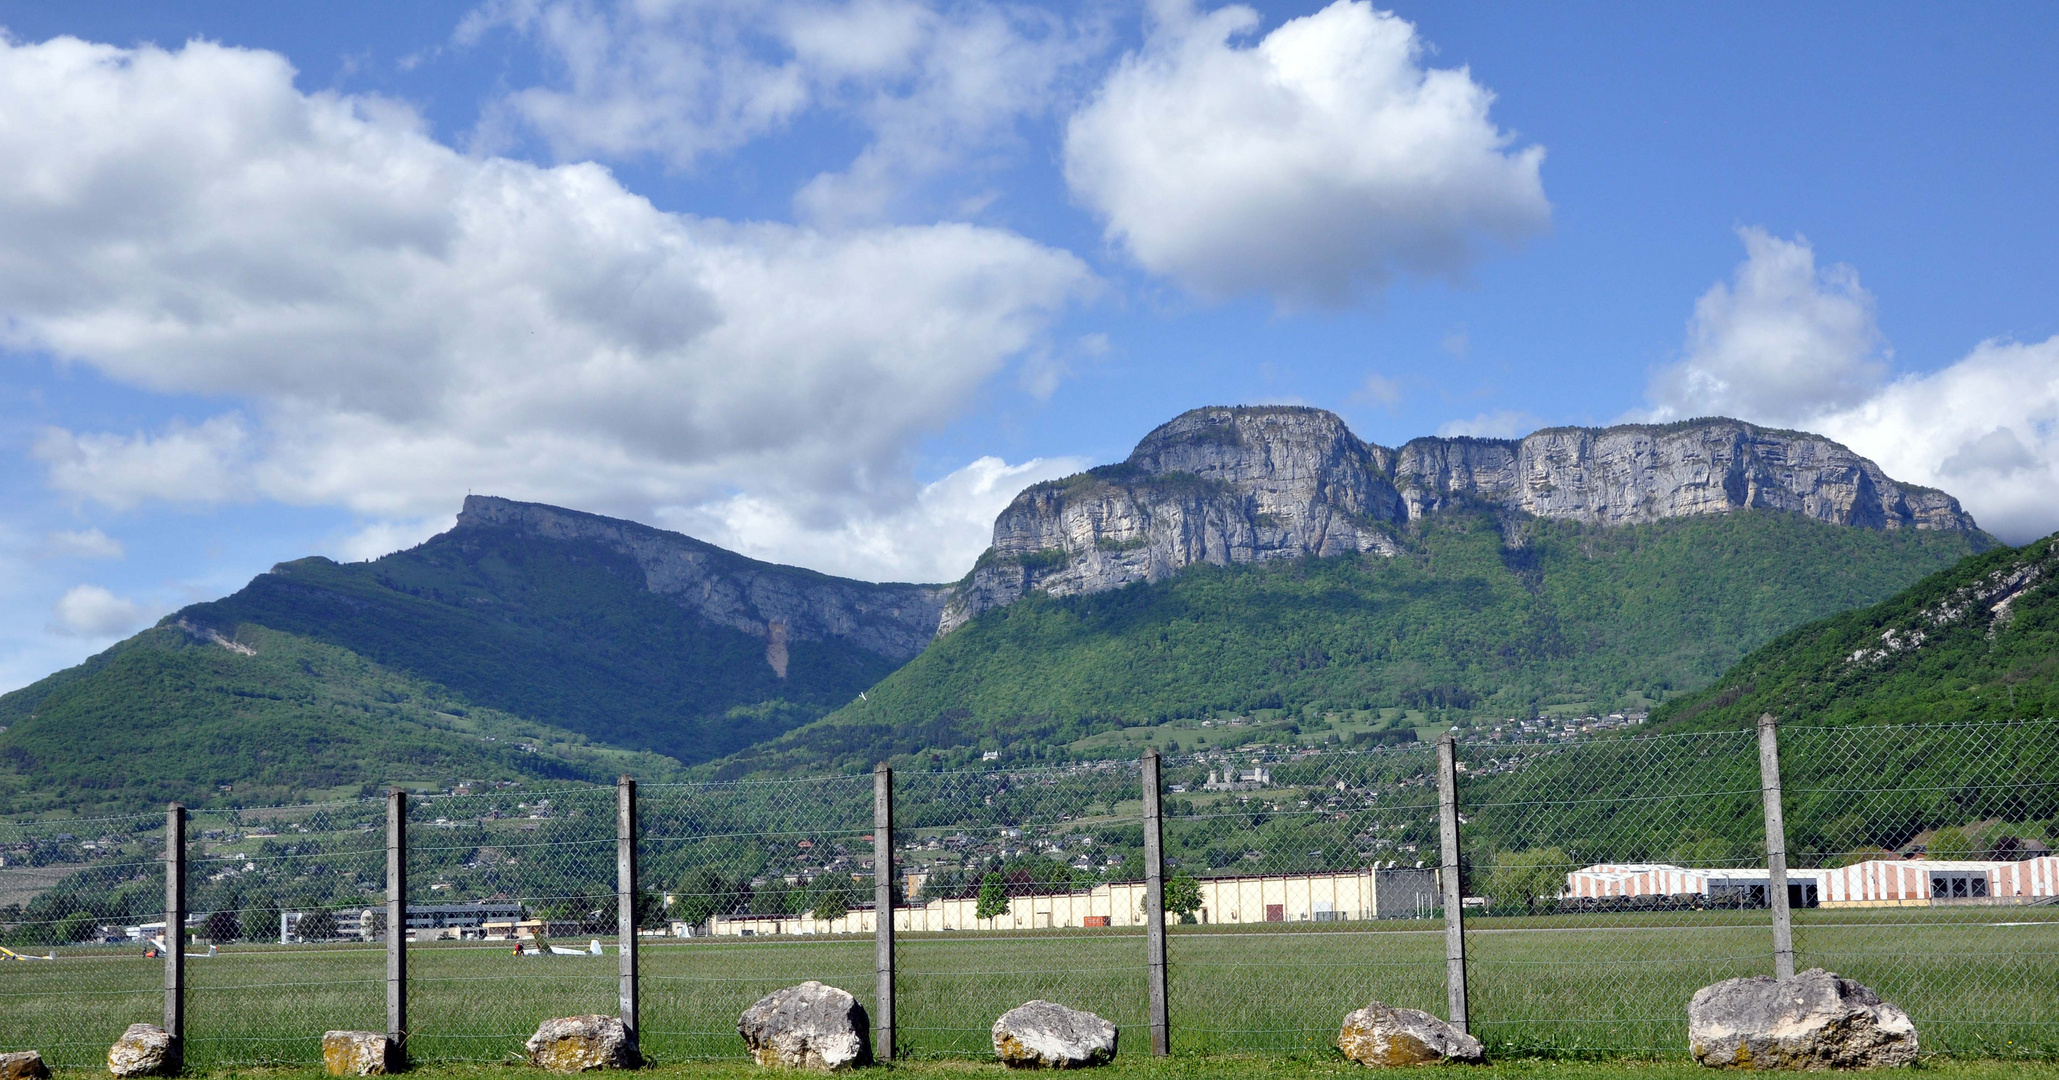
x=1264, y=561
x=1245, y=485
x=1979, y=641
x=261, y=719
x=591, y=631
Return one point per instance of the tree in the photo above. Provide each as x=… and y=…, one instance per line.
x=316, y=925
x=1183, y=896
x=1950, y=842
x=993, y=897
x=700, y=896
x=1525, y=877
x=77, y=926
x=224, y=926
x=834, y=901
x=262, y=923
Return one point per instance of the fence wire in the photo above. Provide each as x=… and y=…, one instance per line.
x=1021, y=884
x=1967, y=938
x=1300, y=885
x=70, y=890
x=1606, y=881
x=511, y=893
x=774, y=879
x=1589, y=937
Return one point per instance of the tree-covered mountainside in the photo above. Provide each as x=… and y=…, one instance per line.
x=1481, y=614
x=262, y=718
x=1979, y=641
x=564, y=631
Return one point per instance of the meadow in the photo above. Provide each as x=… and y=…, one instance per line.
x=1979, y=982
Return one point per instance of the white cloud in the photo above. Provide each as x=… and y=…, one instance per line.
x=1311, y=167
x=1781, y=343
x=935, y=85
x=82, y=544
x=1985, y=429
x=1378, y=389
x=936, y=538
x=1500, y=424
x=93, y=612
x=401, y=323
x=386, y=537
x=1787, y=344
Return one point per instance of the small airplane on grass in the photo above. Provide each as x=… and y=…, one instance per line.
x=9, y=954
x=543, y=948
x=156, y=949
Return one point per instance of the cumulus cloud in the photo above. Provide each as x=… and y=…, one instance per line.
x=1781, y=342
x=1499, y=424
x=935, y=538
x=401, y=322
x=1985, y=429
x=1312, y=166
x=93, y=612
x=81, y=544
x=1788, y=344
x=934, y=85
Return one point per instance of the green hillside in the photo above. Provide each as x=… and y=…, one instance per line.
x=560, y=632
x=1974, y=661
x=1465, y=625
x=169, y=715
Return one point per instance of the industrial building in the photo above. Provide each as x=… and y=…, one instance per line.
x=1350, y=895
x=1872, y=883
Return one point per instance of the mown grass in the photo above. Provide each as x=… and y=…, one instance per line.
x=1589, y=988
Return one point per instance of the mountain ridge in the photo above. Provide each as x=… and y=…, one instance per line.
x=1244, y=484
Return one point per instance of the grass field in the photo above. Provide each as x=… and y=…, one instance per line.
x=1979, y=982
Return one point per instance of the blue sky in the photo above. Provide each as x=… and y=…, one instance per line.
x=828, y=281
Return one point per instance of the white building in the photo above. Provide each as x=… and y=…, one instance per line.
x=1350, y=895
x=1873, y=883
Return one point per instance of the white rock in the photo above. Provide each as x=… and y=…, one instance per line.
x=570, y=1044
x=357, y=1053
x=1041, y=1035
x=143, y=1050
x=1381, y=1035
x=810, y=1026
x=1815, y=1020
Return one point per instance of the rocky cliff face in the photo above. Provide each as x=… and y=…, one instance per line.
x=1240, y=485
x=782, y=604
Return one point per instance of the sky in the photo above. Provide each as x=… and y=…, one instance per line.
x=828, y=281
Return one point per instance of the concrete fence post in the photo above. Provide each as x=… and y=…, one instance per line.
x=883, y=911
x=1154, y=907
x=1454, y=893
x=1776, y=847
x=175, y=933
x=625, y=907
x=396, y=927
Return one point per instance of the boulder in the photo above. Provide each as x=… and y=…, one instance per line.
x=1815, y=1020
x=1380, y=1035
x=143, y=1050
x=23, y=1065
x=357, y=1053
x=1041, y=1035
x=810, y=1026
x=572, y=1044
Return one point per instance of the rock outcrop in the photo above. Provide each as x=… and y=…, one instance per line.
x=23, y=1065
x=1042, y=1035
x=572, y=1044
x=810, y=1026
x=1245, y=485
x=781, y=604
x=1815, y=1020
x=357, y=1053
x=1381, y=1035
x=143, y=1050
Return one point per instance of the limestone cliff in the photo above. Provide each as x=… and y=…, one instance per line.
x=1241, y=485
x=782, y=604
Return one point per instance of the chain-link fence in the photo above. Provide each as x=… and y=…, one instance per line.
x=1301, y=885
x=511, y=895
x=1605, y=880
x=1613, y=879
x=285, y=912
x=774, y=879
x=72, y=892
x=1967, y=938
x=1020, y=884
